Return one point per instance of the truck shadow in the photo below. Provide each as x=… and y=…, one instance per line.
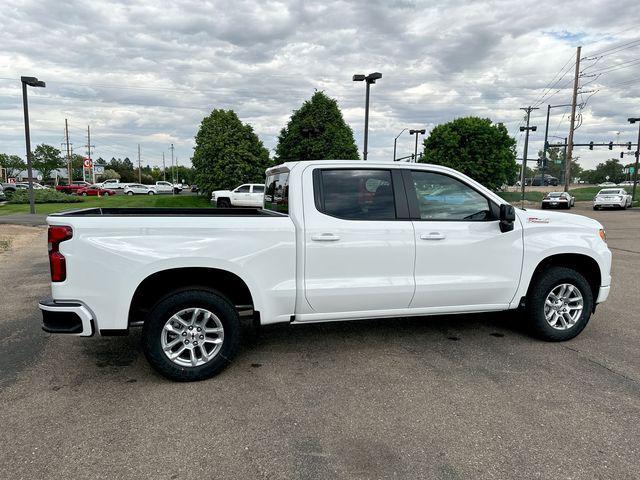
x=404, y=334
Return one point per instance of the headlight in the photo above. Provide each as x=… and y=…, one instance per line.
x=603, y=234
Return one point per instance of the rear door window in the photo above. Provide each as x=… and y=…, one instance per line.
x=276, y=195
x=356, y=194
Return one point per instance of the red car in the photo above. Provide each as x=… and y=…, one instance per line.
x=73, y=188
x=95, y=190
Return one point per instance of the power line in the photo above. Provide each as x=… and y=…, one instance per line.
x=617, y=48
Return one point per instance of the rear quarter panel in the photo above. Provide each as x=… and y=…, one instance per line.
x=108, y=257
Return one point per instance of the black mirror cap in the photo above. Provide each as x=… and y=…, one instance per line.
x=507, y=217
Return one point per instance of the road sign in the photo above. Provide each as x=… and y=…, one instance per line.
x=98, y=169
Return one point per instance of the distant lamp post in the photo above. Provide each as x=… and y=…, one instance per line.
x=368, y=79
x=31, y=82
x=395, y=141
x=635, y=169
x=416, y=133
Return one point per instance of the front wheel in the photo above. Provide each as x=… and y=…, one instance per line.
x=191, y=335
x=559, y=304
x=150, y=193
x=129, y=193
x=105, y=194
x=84, y=194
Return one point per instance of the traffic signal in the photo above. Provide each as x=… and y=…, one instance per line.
x=621, y=154
x=610, y=145
x=628, y=145
x=590, y=145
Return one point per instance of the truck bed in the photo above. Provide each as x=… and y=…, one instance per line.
x=169, y=212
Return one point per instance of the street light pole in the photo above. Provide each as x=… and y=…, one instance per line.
x=368, y=79
x=395, y=141
x=635, y=169
x=32, y=82
x=416, y=133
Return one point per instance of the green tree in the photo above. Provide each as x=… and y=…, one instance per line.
x=611, y=168
x=227, y=153
x=46, y=159
x=124, y=169
x=12, y=164
x=476, y=147
x=317, y=131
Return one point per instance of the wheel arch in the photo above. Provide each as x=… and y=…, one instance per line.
x=159, y=284
x=587, y=266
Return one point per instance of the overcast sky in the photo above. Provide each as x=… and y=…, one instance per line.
x=148, y=71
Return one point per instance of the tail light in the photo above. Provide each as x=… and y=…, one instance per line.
x=57, y=235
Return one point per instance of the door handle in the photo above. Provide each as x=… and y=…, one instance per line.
x=433, y=236
x=325, y=237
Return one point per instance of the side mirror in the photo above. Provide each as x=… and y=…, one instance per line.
x=507, y=217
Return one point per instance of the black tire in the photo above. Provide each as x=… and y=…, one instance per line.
x=150, y=193
x=223, y=203
x=170, y=305
x=543, y=207
x=129, y=193
x=541, y=285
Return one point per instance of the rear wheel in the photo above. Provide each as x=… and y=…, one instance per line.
x=150, y=193
x=559, y=304
x=129, y=192
x=84, y=194
x=191, y=335
x=105, y=194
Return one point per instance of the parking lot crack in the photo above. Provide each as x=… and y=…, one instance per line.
x=602, y=365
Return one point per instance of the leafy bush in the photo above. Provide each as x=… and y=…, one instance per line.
x=43, y=196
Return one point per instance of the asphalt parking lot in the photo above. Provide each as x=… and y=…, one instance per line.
x=464, y=397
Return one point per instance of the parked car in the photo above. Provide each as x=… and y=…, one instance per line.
x=626, y=183
x=247, y=195
x=548, y=180
x=194, y=189
x=73, y=187
x=36, y=185
x=167, y=187
x=336, y=240
x=95, y=190
x=558, y=200
x=3, y=197
x=607, y=184
x=139, y=189
x=612, y=197
x=113, y=184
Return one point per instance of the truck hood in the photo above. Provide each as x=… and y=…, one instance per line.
x=531, y=218
x=221, y=192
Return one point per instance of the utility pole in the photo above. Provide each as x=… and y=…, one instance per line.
x=89, y=147
x=69, y=168
x=139, y=171
x=172, y=170
x=635, y=169
x=164, y=169
x=526, y=147
x=567, y=171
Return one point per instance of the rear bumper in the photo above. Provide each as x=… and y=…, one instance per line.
x=70, y=318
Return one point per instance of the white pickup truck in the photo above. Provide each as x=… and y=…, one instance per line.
x=336, y=240
x=246, y=195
